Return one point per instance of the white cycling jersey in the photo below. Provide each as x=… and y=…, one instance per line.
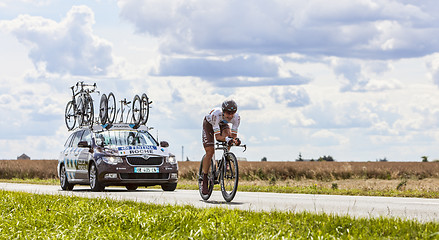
x=215, y=118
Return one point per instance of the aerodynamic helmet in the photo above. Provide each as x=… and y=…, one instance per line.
x=229, y=106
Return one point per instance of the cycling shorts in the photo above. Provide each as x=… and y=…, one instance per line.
x=208, y=137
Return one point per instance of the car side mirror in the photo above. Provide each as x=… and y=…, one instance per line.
x=164, y=144
x=83, y=144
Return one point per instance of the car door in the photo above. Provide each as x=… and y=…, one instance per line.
x=84, y=156
x=71, y=154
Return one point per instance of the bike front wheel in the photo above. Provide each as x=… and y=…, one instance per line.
x=103, y=109
x=144, y=113
x=111, y=108
x=210, y=178
x=229, y=177
x=70, y=115
x=137, y=108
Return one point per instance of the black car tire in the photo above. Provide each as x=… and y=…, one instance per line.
x=95, y=185
x=64, y=182
x=169, y=187
x=131, y=187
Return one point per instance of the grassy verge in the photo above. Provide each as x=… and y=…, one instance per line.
x=314, y=188
x=354, y=188
x=50, y=181
x=34, y=216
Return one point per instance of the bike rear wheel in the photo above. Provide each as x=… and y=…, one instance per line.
x=229, y=177
x=210, y=181
x=88, y=110
x=80, y=110
x=70, y=116
x=137, y=111
x=111, y=108
x=103, y=109
x=144, y=114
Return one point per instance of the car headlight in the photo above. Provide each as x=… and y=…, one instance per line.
x=112, y=160
x=172, y=160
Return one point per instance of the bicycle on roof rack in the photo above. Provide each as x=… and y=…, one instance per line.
x=139, y=110
x=79, y=110
x=224, y=172
x=107, y=108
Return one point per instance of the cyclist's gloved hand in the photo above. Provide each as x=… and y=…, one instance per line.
x=229, y=141
x=237, y=141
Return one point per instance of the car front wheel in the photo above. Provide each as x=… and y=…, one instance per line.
x=169, y=186
x=131, y=187
x=95, y=185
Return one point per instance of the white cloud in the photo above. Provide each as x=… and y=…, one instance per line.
x=363, y=76
x=343, y=114
x=328, y=138
x=67, y=47
x=380, y=30
x=344, y=79
x=251, y=66
x=292, y=97
x=433, y=66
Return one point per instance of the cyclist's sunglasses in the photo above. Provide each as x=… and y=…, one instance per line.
x=230, y=112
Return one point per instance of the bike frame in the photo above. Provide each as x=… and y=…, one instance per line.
x=82, y=91
x=123, y=103
x=226, y=150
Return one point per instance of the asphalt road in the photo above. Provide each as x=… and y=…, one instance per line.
x=358, y=206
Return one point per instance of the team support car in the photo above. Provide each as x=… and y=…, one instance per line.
x=118, y=156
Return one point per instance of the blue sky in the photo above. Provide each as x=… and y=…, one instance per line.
x=357, y=80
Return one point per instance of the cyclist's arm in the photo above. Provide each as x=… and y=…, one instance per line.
x=219, y=137
x=235, y=124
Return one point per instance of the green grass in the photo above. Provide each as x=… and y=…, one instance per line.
x=33, y=216
x=49, y=181
x=277, y=188
x=321, y=190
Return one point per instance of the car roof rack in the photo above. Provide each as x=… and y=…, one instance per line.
x=115, y=126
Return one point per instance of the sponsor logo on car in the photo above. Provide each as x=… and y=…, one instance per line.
x=129, y=150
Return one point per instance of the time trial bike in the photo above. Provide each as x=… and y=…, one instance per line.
x=223, y=171
x=79, y=110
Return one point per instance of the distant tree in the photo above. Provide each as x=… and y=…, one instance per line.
x=424, y=159
x=264, y=159
x=382, y=159
x=299, y=159
x=326, y=159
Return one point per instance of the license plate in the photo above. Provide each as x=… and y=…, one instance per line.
x=146, y=169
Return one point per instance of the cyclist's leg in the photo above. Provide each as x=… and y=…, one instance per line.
x=208, y=144
x=207, y=157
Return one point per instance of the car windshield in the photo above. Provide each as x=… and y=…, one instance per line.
x=125, y=138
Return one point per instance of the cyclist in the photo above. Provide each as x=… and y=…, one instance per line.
x=216, y=126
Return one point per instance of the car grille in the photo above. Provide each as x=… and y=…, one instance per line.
x=147, y=176
x=143, y=161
